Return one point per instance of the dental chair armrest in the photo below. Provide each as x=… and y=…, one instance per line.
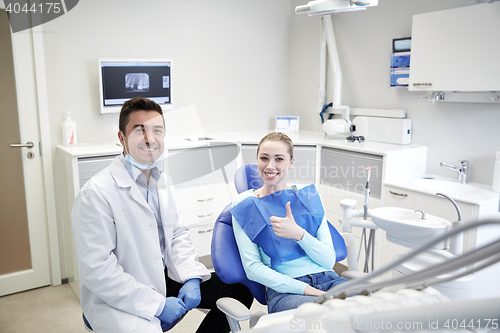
x=234, y=311
x=350, y=275
x=233, y=308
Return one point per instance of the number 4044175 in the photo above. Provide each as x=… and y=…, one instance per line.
x=47, y=8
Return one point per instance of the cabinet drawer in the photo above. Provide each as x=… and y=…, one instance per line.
x=203, y=197
x=201, y=237
x=202, y=190
x=203, y=216
x=346, y=171
x=203, y=201
x=430, y=204
x=90, y=166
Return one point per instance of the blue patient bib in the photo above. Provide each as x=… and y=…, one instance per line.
x=253, y=214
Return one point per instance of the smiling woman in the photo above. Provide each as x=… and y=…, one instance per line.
x=274, y=158
x=282, y=233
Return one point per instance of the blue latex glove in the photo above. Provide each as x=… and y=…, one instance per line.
x=174, y=310
x=190, y=293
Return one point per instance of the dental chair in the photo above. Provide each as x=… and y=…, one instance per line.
x=226, y=258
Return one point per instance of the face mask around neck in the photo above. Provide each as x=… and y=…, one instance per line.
x=140, y=165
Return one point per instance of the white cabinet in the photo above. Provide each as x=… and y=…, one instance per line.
x=456, y=50
x=347, y=170
x=438, y=206
x=484, y=282
x=203, y=182
x=200, y=206
x=343, y=175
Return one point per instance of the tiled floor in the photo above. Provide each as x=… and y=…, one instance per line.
x=57, y=310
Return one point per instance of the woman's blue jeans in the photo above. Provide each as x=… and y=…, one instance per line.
x=277, y=302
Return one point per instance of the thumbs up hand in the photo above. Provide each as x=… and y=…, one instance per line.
x=285, y=227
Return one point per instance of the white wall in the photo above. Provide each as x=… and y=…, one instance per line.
x=451, y=131
x=230, y=59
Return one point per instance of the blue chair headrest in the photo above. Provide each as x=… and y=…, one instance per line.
x=247, y=177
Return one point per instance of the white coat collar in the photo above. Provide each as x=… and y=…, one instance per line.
x=123, y=179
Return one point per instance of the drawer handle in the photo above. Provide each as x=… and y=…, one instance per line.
x=398, y=194
x=205, y=231
x=207, y=215
x=205, y=200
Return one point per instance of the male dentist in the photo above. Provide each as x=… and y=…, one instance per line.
x=138, y=269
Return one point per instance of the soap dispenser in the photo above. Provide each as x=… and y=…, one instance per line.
x=496, y=174
x=69, y=130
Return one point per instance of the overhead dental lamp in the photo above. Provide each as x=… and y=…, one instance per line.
x=322, y=8
x=329, y=7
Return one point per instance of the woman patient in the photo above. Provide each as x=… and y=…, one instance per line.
x=282, y=233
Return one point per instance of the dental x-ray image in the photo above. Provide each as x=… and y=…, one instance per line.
x=136, y=82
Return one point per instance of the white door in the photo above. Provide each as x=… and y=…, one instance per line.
x=24, y=256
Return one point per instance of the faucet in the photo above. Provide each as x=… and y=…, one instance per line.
x=457, y=241
x=462, y=170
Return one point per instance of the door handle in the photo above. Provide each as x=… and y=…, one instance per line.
x=28, y=144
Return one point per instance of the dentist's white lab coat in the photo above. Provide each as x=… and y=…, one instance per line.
x=120, y=264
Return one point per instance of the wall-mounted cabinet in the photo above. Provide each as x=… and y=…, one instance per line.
x=456, y=50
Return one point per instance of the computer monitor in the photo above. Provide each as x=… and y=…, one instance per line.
x=123, y=79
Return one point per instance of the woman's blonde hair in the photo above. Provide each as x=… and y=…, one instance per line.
x=277, y=136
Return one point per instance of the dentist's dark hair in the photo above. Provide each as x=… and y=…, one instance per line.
x=277, y=136
x=136, y=104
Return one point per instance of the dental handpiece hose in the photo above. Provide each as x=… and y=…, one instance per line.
x=367, y=195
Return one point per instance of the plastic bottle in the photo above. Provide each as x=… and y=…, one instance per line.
x=496, y=174
x=69, y=130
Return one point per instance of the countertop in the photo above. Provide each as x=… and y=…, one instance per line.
x=302, y=138
x=484, y=193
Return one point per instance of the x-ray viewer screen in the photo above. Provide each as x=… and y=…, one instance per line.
x=123, y=80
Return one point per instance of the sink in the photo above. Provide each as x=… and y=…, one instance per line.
x=447, y=187
x=408, y=225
